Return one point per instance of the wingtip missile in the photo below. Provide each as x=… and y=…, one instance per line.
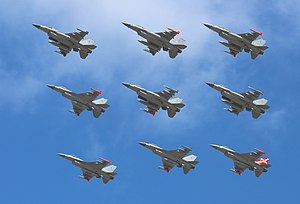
x=85, y=31
x=167, y=87
x=105, y=160
x=98, y=91
x=253, y=89
x=259, y=33
x=175, y=31
x=258, y=150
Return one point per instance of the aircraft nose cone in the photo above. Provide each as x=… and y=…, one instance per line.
x=210, y=84
x=142, y=143
x=208, y=25
x=213, y=145
x=51, y=86
x=36, y=25
x=61, y=154
x=126, y=24
x=126, y=84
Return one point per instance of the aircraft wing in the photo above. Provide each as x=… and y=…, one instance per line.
x=167, y=165
x=87, y=175
x=252, y=156
x=231, y=51
x=168, y=35
x=167, y=93
x=152, y=49
x=179, y=153
x=251, y=36
x=239, y=168
x=151, y=109
x=97, y=165
x=252, y=94
x=63, y=52
x=77, y=109
x=90, y=95
x=78, y=35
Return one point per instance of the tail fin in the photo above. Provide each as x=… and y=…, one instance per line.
x=178, y=102
x=102, y=102
x=191, y=159
x=99, y=106
x=178, y=43
x=262, y=103
x=88, y=43
x=260, y=42
x=109, y=169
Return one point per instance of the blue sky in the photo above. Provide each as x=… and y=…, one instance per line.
x=36, y=124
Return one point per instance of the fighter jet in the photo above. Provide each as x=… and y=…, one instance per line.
x=171, y=158
x=156, y=100
x=239, y=101
x=83, y=101
x=239, y=42
x=68, y=41
x=160, y=40
x=251, y=160
x=91, y=169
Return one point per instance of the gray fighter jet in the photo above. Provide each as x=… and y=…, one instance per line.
x=91, y=169
x=156, y=100
x=160, y=40
x=239, y=101
x=251, y=160
x=68, y=41
x=239, y=42
x=83, y=101
x=171, y=158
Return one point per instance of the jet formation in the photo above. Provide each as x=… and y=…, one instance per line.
x=171, y=158
x=69, y=41
x=159, y=40
x=99, y=169
x=83, y=101
x=239, y=42
x=156, y=100
x=251, y=160
x=239, y=101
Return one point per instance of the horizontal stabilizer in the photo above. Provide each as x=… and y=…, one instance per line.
x=171, y=113
x=263, y=47
x=83, y=54
x=259, y=42
x=254, y=55
x=109, y=169
x=190, y=158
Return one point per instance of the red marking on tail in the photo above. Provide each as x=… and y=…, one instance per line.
x=259, y=33
x=106, y=160
x=167, y=170
x=262, y=161
x=177, y=32
x=98, y=91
